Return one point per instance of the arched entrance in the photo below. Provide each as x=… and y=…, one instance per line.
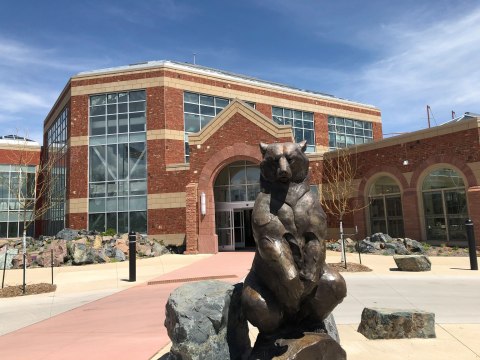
x=235, y=190
x=386, y=214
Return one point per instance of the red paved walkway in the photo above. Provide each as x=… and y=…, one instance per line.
x=126, y=325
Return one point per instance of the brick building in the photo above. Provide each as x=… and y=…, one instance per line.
x=171, y=150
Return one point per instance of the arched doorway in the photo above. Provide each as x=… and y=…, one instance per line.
x=386, y=214
x=445, y=206
x=235, y=190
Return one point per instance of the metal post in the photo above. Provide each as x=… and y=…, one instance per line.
x=51, y=257
x=132, y=258
x=472, y=250
x=24, y=259
x=4, y=265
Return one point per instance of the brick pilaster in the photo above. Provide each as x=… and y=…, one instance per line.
x=192, y=213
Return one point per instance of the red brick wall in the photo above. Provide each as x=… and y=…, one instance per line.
x=79, y=116
x=166, y=221
x=321, y=129
x=265, y=109
x=77, y=180
x=20, y=156
x=155, y=108
x=76, y=220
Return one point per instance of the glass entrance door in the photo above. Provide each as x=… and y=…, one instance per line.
x=239, y=228
x=224, y=228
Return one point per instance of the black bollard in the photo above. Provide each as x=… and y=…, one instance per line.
x=472, y=250
x=132, y=256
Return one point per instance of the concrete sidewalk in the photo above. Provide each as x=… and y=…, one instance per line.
x=126, y=322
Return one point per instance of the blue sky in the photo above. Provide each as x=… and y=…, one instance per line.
x=397, y=55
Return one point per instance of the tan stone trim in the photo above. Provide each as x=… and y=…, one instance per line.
x=193, y=86
x=20, y=147
x=78, y=141
x=224, y=78
x=421, y=134
x=167, y=200
x=178, y=167
x=408, y=177
x=475, y=166
x=271, y=100
x=249, y=113
x=169, y=239
x=77, y=206
x=316, y=156
x=117, y=86
x=165, y=134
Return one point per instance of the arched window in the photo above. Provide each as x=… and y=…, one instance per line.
x=445, y=205
x=240, y=181
x=386, y=207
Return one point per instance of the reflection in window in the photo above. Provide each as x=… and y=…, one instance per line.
x=240, y=181
x=302, y=124
x=118, y=162
x=445, y=205
x=347, y=132
x=11, y=211
x=386, y=214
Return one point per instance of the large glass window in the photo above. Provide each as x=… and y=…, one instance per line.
x=302, y=124
x=118, y=162
x=386, y=207
x=57, y=168
x=199, y=110
x=238, y=182
x=344, y=132
x=445, y=205
x=15, y=180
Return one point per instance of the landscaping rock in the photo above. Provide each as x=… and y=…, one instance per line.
x=122, y=245
x=10, y=254
x=99, y=256
x=380, y=237
x=380, y=323
x=206, y=318
x=67, y=234
x=120, y=255
x=397, y=246
x=97, y=243
x=413, y=262
x=365, y=247
x=414, y=246
x=159, y=249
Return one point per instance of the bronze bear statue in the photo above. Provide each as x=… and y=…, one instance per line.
x=289, y=287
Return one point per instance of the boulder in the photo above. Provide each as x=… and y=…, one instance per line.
x=109, y=250
x=413, y=262
x=380, y=323
x=67, y=234
x=97, y=243
x=380, y=237
x=364, y=246
x=122, y=245
x=414, y=246
x=99, y=256
x=143, y=250
x=206, y=318
x=10, y=254
x=159, y=249
x=397, y=246
x=17, y=261
x=120, y=255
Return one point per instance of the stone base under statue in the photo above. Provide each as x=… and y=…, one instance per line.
x=306, y=346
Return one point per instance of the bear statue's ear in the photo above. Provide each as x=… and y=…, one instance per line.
x=303, y=145
x=263, y=148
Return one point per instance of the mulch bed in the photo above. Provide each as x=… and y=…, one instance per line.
x=32, y=289
x=351, y=267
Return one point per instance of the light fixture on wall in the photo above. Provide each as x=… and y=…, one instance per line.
x=405, y=162
x=203, y=204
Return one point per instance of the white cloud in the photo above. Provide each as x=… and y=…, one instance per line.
x=435, y=65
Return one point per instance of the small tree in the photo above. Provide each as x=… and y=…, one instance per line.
x=31, y=187
x=338, y=188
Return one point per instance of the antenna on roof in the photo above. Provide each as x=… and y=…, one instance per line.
x=194, y=55
x=453, y=114
x=428, y=115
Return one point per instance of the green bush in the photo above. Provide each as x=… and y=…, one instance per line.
x=109, y=232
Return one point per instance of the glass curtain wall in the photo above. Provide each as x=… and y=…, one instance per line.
x=302, y=124
x=347, y=132
x=386, y=207
x=56, y=151
x=445, y=206
x=12, y=213
x=118, y=162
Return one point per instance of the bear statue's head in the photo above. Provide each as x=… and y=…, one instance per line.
x=284, y=162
